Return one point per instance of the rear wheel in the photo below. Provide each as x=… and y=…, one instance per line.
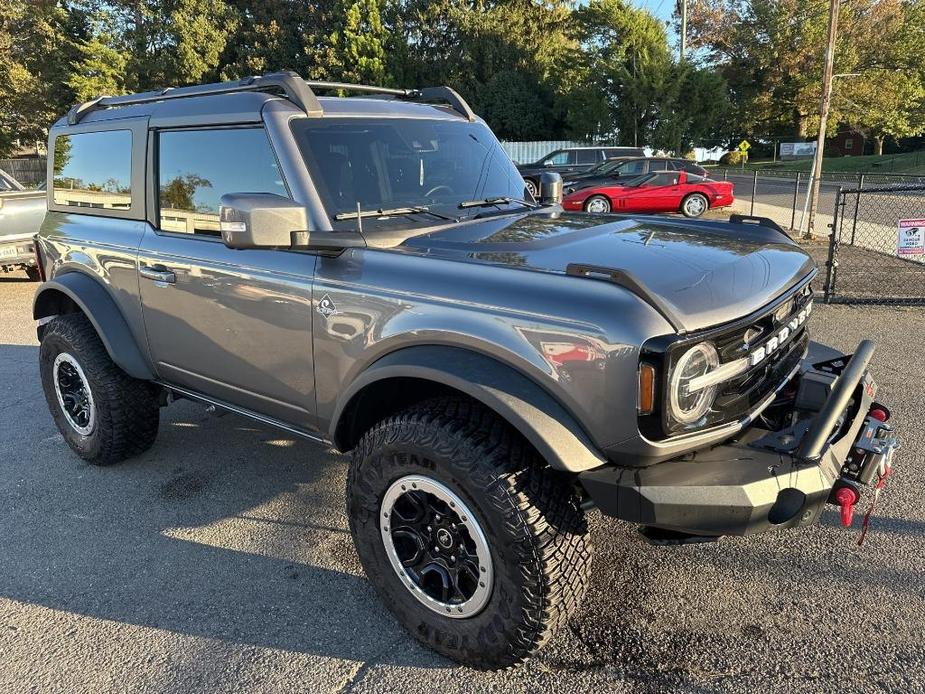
x=32, y=272
x=479, y=549
x=532, y=188
x=597, y=204
x=104, y=415
x=694, y=205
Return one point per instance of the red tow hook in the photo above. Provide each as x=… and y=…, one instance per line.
x=846, y=498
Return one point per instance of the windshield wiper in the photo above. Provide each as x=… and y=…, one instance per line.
x=491, y=202
x=394, y=212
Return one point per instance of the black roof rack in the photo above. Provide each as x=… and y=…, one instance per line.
x=293, y=87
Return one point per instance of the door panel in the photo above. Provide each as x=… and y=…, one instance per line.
x=231, y=324
x=234, y=325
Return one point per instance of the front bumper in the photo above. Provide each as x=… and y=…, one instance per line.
x=761, y=480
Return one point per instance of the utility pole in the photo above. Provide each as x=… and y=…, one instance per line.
x=823, y=114
x=683, y=28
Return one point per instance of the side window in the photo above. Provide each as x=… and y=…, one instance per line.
x=4, y=185
x=695, y=178
x=195, y=168
x=588, y=156
x=558, y=159
x=94, y=170
x=661, y=165
x=663, y=179
x=632, y=168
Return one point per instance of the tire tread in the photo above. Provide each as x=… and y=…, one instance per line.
x=539, y=505
x=127, y=408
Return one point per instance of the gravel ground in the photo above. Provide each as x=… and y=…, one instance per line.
x=220, y=561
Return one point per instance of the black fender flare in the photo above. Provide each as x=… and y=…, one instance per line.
x=532, y=411
x=102, y=311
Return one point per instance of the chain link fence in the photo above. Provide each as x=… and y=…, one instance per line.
x=876, y=250
x=782, y=195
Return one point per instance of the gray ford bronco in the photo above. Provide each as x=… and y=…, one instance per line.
x=369, y=273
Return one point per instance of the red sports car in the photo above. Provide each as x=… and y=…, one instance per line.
x=662, y=191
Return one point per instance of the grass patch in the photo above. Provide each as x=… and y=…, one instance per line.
x=907, y=163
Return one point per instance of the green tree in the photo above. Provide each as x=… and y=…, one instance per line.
x=101, y=66
x=630, y=58
x=37, y=45
x=887, y=98
x=472, y=46
x=693, y=108
x=276, y=35
x=357, y=47
x=771, y=53
x=140, y=45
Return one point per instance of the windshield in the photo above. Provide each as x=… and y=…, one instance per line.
x=398, y=163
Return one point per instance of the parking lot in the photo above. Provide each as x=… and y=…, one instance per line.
x=220, y=561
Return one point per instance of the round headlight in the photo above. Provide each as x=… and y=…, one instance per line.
x=690, y=405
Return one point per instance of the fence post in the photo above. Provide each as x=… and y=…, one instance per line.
x=754, y=191
x=796, y=199
x=832, y=263
x=725, y=174
x=857, y=204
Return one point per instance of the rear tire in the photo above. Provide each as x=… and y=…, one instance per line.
x=32, y=272
x=532, y=188
x=534, y=555
x=694, y=205
x=598, y=204
x=104, y=414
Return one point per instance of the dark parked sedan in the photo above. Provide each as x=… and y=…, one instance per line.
x=571, y=162
x=611, y=171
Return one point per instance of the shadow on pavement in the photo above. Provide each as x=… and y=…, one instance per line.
x=223, y=530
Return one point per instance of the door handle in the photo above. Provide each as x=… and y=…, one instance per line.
x=158, y=273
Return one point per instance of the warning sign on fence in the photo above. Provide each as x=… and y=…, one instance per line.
x=911, y=238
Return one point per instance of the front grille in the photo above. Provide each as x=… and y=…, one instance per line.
x=740, y=395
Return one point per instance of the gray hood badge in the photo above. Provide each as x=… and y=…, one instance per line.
x=326, y=307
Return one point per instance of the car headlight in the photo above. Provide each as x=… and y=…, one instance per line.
x=686, y=404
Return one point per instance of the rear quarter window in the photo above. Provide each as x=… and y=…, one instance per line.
x=94, y=170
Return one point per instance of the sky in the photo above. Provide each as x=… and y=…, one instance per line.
x=660, y=8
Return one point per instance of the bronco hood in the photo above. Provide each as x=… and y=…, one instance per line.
x=706, y=273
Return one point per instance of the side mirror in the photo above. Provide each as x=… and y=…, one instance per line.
x=260, y=220
x=550, y=188
x=267, y=220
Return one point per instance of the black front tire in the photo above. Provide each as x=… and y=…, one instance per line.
x=126, y=410
x=32, y=272
x=530, y=515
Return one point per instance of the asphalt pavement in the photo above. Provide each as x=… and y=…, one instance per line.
x=220, y=561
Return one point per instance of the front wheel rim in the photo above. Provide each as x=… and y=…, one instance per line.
x=74, y=395
x=695, y=206
x=531, y=187
x=598, y=205
x=436, y=546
